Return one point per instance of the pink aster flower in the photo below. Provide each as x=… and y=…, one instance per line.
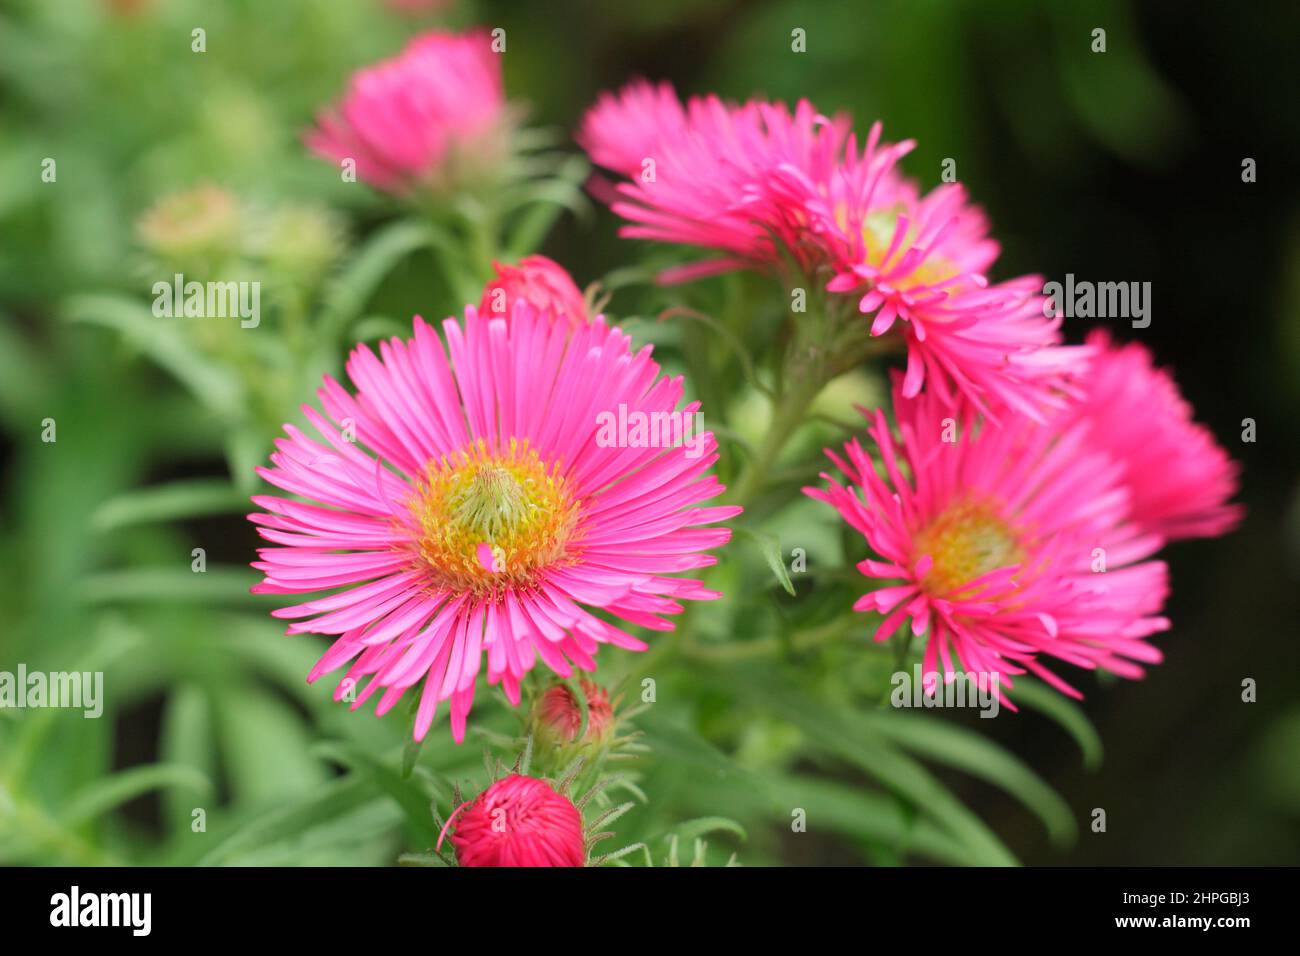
x=477, y=515
x=519, y=821
x=922, y=260
x=433, y=116
x=1179, y=478
x=761, y=184
x=699, y=173
x=539, y=281
x=1008, y=544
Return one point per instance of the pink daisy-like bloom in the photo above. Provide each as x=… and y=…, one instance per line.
x=519, y=821
x=486, y=516
x=699, y=173
x=433, y=116
x=540, y=281
x=1011, y=543
x=1179, y=478
x=923, y=260
x=761, y=184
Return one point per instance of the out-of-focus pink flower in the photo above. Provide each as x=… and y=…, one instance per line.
x=488, y=513
x=1010, y=543
x=519, y=821
x=698, y=173
x=430, y=118
x=1179, y=477
x=922, y=261
x=764, y=186
x=537, y=280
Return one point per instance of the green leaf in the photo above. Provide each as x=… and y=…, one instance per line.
x=421, y=859
x=545, y=201
x=265, y=746
x=166, y=345
x=958, y=747
x=1062, y=710
x=216, y=584
x=410, y=754
x=729, y=338
x=832, y=732
x=187, y=741
x=580, y=699
x=169, y=502
x=374, y=327
x=703, y=826
x=378, y=256
x=871, y=817
x=103, y=795
x=291, y=823
x=770, y=547
x=413, y=801
x=246, y=448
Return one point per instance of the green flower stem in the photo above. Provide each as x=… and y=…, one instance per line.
x=822, y=351
x=791, y=411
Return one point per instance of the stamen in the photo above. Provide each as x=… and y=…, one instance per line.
x=492, y=518
x=966, y=542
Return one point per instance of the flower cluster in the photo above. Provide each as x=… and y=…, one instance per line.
x=764, y=185
x=459, y=509
x=1032, y=481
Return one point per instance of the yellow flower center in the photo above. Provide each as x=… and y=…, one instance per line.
x=966, y=542
x=878, y=236
x=491, y=520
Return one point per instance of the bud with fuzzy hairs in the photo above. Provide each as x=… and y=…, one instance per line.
x=197, y=231
x=557, y=715
x=519, y=821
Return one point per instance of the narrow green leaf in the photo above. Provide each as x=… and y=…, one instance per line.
x=105, y=794
x=166, y=345
x=421, y=859
x=544, y=203
x=265, y=746
x=169, y=502
x=703, y=826
x=286, y=822
x=958, y=747
x=412, y=800
x=216, y=584
x=378, y=256
x=187, y=741
x=830, y=731
x=867, y=815
x=410, y=754
x=1063, y=711
x=770, y=547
